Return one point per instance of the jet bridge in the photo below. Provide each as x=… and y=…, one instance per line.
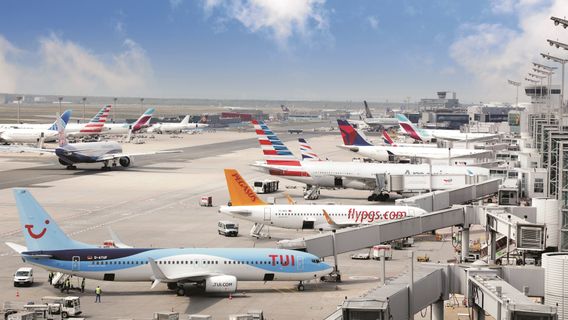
x=429, y=285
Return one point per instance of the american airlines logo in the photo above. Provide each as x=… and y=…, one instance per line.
x=248, y=191
x=372, y=216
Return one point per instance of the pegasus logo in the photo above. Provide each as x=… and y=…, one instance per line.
x=34, y=235
x=247, y=190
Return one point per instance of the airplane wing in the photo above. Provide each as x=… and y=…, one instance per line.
x=188, y=276
x=112, y=156
x=465, y=137
x=334, y=224
x=21, y=149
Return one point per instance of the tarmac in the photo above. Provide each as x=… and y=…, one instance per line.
x=155, y=203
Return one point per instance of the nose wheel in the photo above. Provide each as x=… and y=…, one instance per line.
x=301, y=286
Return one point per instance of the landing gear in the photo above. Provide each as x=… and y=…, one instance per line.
x=71, y=167
x=172, y=285
x=312, y=192
x=301, y=286
x=180, y=291
x=105, y=166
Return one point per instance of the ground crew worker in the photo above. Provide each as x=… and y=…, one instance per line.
x=83, y=286
x=50, y=277
x=67, y=284
x=98, y=294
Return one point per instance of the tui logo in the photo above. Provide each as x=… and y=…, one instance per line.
x=34, y=235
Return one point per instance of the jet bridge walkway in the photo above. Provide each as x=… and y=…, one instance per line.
x=351, y=239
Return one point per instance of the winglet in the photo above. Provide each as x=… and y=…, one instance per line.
x=290, y=200
x=328, y=218
x=240, y=192
x=158, y=274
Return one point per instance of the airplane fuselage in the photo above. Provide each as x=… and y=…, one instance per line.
x=132, y=264
x=88, y=152
x=312, y=217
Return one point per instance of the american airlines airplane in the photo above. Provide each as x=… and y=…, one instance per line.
x=355, y=142
x=69, y=154
x=354, y=175
x=182, y=126
x=92, y=128
x=213, y=269
x=33, y=133
x=426, y=135
x=245, y=204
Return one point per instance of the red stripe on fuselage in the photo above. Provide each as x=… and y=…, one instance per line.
x=289, y=173
x=293, y=163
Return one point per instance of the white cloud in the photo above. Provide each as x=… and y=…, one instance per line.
x=281, y=19
x=174, y=4
x=373, y=22
x=62, y=66
x=502, y=6
x=493, y=53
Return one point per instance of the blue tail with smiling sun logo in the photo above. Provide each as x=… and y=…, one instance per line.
x=41, y=232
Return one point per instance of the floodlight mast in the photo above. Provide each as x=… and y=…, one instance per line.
x=517, y=85
x=548, y=71
x=563, y=63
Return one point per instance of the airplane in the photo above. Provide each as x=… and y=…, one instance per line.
x=128, y=128
x=246, y=204
x=388, y=141
x=213, y=269
x=32, y=133
x=280, y=161
x=307, y=151
x=355, y=142
x=427, y=135
x=374, y=123
x=184, y=125
x=92, y=128
x=69, y=154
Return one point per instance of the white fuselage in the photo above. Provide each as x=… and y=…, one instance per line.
x=117, y=128
x=312, y=217
x=18, y=135
x=176, y=127
x=379, y=152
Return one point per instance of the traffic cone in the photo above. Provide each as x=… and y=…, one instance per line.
x=17, y=293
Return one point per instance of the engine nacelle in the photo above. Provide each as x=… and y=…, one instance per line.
x=221, y=284
x=125, y=161
x=381, y=156
x=355, y=184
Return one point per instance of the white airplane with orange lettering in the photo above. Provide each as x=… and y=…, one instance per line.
x=246, y=204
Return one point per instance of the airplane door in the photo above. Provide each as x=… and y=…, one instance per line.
x=75, y=263
x=300, y=263
x=267, y=214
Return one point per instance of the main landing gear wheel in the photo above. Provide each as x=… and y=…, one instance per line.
x=172, y=285
x=71, y=167
x=301, y=287
x=180, y=291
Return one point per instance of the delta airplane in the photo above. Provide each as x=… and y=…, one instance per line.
x=246, y=204
x=427, y=135
x=215, y=270
x=92, y=128
x=128, y=128
x=32, y=133
x=355, y=142
x=69, y=154
x=184, y=125
x=280, y=161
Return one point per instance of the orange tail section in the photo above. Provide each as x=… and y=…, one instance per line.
x=239, y=190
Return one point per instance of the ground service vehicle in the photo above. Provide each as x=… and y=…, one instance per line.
x=228, y=228
x=376, y=251
x=265, y=186
x=24, y=277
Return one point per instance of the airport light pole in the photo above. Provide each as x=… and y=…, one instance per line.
x=114, y=108
x=84, y=107
x=19, y=98
x=516, y=84
x=548, y=72
x=60, y=99
x=563, y=63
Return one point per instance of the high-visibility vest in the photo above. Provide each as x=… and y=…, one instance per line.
x=98, y=290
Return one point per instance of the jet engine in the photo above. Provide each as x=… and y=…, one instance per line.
x=125, y=161
x=382, y=156
x=221, y=284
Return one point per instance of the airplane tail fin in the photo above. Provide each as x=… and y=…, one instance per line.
x=350, y=135
x=143, y=121
x=65, y=116
x=41, y=232
x=387, y=139
x=368, y=113
x=307, y=151
x=101, y=116
x=410, y=129
x=284, y=108
x=60, y=126
x=240, y=192
x=274, y=150
x=185, y=120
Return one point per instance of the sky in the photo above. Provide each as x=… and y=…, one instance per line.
x=378, y=50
